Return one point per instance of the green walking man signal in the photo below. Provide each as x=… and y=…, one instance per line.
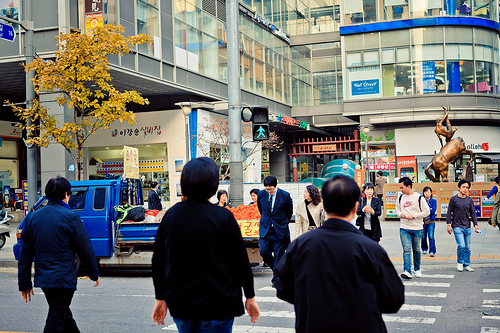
x=260, y=123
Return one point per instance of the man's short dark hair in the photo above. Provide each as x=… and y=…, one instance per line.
x=270, y=181
x=57, y=188
x=380, y=173
x=254, y=190
x=497, y=180
x=154, y=184
x=406, y=181
x=200, y=179
x=340, y=194
x=463, y=181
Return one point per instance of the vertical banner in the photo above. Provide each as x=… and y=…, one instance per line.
x=130, y=162
x=428, y=77
x=94, y=16
x=359, y=177
x=25, y=197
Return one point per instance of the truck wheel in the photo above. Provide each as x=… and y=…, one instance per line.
x=2, y=241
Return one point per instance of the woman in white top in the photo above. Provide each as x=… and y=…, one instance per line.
x=309, y=212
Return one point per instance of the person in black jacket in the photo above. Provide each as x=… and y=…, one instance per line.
x=200, y=262
x=369, y=209
x=53, y=235
x=338, y=279
x=154, y=202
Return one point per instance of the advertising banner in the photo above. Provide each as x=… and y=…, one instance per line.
x=407, y=166
x=428, y=77
x=130, y=162
x=364, y=82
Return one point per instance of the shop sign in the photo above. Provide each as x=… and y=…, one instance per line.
x=9, y=129
x=25, y=197
x=429, y=77
x=256, y=17
x=249, y=228
x=293, y=122
x=485, y=146
x=265, y=167
x=93, y=6
x=304, y=168
x=407, y=166
x=323, y=148
x=365, y=87
x=143, y=131
x=93, y=20
x=265, y=155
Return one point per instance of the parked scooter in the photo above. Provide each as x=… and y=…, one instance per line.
x=4, y=226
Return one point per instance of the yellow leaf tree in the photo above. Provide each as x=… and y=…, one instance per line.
x=80, y=74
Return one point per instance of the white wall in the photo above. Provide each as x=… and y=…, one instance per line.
x=153, y=127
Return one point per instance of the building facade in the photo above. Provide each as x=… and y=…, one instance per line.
x=332, y=65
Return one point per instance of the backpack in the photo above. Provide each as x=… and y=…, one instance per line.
x=419, y=203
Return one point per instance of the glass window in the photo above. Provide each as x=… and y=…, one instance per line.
x=421, y=8
x=396, y=80
x=388, y=56
x=396, y=10
x=209, y=24
x=403, y=55
x=100, y=198
x=147, y=23
x=427, y=52
x=429, y=77
x=370, y=58
x=484, y=77
x=259, y=77
x=458, y=35
x=395, y=38
x=463, y=7
x=353, y=59
x=360, y=11
x=460, y=76
x=222, y=67
x=278, y=85
x=269, y=81
x=482, y=8
x=77, y=198
x=208, y=58
x=8, y=148
x=427, y=36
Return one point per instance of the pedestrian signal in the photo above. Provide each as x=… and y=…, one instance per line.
x=260, y=123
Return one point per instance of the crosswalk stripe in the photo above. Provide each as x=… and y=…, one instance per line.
x=278, y=314
x=426, y=308
x=267, y=288
x=490, y=330
x=491, y=317
x=246, y=328
x=425, y=294
x=439, y=276
x=491, y=290
x=427, y=284
x=491, y=303
x=411, y=320
x=266, y=299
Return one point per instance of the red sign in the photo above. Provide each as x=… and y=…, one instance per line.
x=407, y=166
x=359, y=177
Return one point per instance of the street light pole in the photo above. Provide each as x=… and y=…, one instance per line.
x=366, y=129
x=234, y=102
x=186, y=111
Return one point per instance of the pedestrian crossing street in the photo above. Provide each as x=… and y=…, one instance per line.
x=430, y=288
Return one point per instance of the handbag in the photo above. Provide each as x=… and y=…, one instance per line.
x=427, y=220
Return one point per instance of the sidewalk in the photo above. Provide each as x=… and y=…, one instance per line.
x=485, y=247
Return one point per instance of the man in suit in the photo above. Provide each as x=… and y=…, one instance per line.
x=154, y=202
x=338, y=279
x=53, y=235
x=276, y=209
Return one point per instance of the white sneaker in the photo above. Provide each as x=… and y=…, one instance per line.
x=424, y=252
x=406, y=275
x=418, y=274
x=432, y=255
x=460, y=267
x=469, y=269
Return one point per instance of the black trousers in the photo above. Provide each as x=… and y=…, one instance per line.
x=60, y=319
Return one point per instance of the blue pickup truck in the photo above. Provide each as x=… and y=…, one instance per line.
x=116, y=244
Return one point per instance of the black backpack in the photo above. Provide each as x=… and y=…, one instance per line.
x=419, y=203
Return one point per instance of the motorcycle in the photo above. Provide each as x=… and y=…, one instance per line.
x=4, y=226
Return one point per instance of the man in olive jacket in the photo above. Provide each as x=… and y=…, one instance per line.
x=338, y=279
x=52, y=235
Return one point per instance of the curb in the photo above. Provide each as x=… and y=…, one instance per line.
x=8, y=263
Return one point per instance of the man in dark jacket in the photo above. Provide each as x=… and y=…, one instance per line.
x=338, y=279
x=200, y=262
x=276, y=209
x=52, y=236
x=154, y=202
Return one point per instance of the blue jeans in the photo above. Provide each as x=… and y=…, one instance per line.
x=429, y=232
x=410, y=239
x=462, y=237
x=204, y=326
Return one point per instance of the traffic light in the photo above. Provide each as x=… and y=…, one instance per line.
x=260, y=123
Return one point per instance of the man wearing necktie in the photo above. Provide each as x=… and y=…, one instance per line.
x=276, y=209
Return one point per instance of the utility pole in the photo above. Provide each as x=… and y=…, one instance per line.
x=29, y=52
x=234, y=102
